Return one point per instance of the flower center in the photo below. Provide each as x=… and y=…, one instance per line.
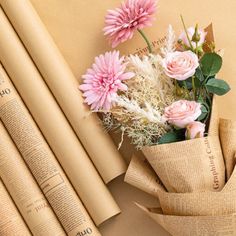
x=107, y=82
x=133, y=20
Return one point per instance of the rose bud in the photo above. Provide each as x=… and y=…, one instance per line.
x=194, y=36
x=194, y=130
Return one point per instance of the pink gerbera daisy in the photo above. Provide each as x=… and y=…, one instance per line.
x=104, y=79
x=130, y=16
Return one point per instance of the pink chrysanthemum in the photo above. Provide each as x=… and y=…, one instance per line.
x=104, y=79
x=130, y=16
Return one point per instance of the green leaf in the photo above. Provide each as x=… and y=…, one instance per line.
x=197, y=82
x=199, y=75
x=217, y=86
x=211, y=64
x=171, y=137
x=189, y=84
x=205, y=112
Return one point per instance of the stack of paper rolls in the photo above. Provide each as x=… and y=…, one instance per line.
x=54, y=126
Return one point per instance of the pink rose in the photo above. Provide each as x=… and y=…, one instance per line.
x=191, y=31
x=180, y=65
x=182, y=113
x=195, y=129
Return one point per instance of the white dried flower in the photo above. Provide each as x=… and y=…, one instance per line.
x=147, y=113
x=170, y=44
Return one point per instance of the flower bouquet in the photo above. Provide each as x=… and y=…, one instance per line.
x=165, y=103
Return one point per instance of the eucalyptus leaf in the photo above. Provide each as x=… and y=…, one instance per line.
x=211, y=64
x=197, y=82
x=200, y=99
x=188, y=83
x=217, y=86
x=205, y=112
x=173, y=136
x=199, y=75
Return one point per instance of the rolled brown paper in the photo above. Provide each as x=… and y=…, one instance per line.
x=64, y=86
x=219, y=225
x=53, y=124
x=38, y=155
x=24, y=190
x=11, y=223
x=228, y=143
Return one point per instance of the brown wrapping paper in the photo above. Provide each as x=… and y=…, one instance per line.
x=64, y=86
x=201, y=203
x=201, y=213
x=231, y=183
x=213, y=129
x=197, y=212
x=198, y=204
x=189, y=166
x=228, y=143
x=141, y=175
x=220, y=225
x=25, y=192
x=55, y=127
x=192, y=165
x=36, y=152
x=11, y=223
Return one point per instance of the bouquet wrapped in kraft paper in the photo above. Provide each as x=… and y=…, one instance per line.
x=191, y=165
x=165, y=102
x=200, y=211
x=197, y=212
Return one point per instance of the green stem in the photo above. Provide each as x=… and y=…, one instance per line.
x=194, y=88
x=146, y=40
x=197, y=49
x=186, y=32
x=186, y=89
x=176, y=87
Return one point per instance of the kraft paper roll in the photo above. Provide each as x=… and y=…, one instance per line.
x=53, y=124
x=64, y=86
x=35, y=150
x=11, y=223
x=23, y=189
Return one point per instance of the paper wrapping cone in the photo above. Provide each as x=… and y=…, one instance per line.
x=214, y=121
x=192, y=165
x=201, y=203
x=231, y=183
x=11, y=223
x=220, y=225
x=24, y=190
x=141, y=175
x=228, y=143
x=198, y=204
x=64, y=86
x=53, y=124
